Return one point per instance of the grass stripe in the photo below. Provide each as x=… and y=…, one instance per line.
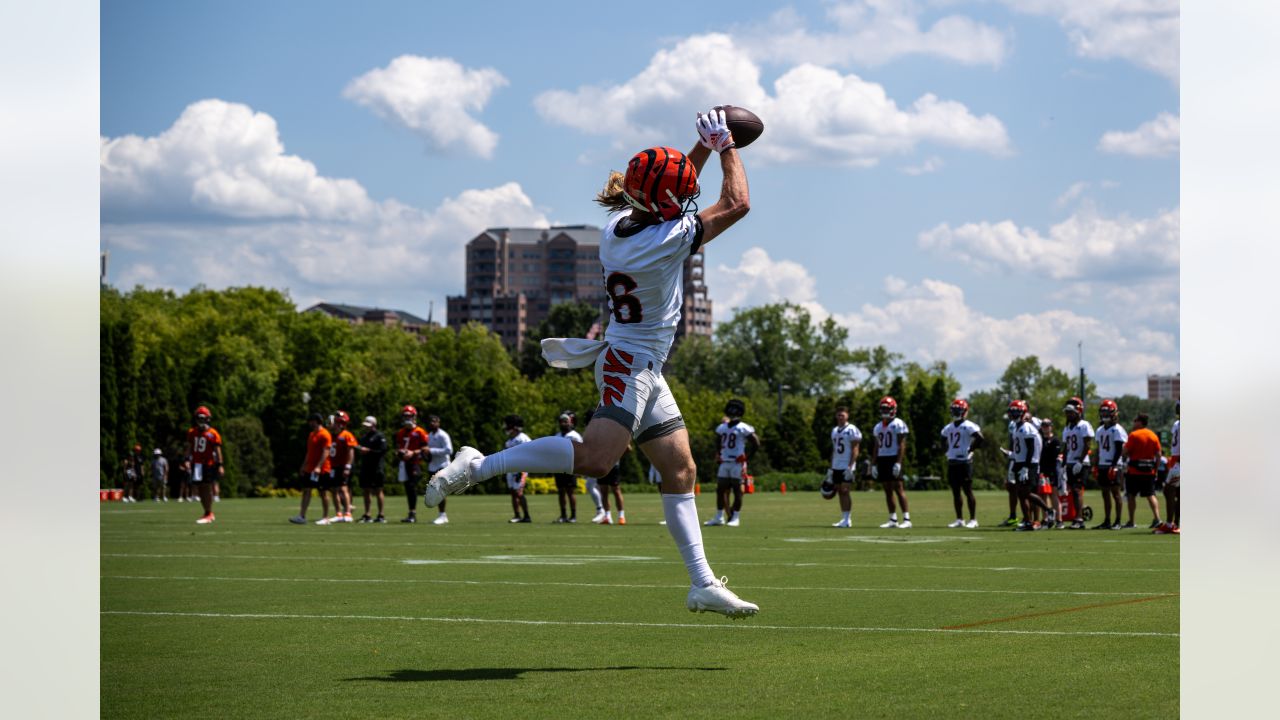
x=1059, y=611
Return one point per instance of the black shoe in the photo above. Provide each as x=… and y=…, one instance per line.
x=526, y=519
x=515, y=519
x=1022, y=526
x=1155, y=524
x=380, y=519
x=1104, y=525
x=1126, y=526
x=411, y=519
x=560, y=520
x=1078, y=525
x=365, y=519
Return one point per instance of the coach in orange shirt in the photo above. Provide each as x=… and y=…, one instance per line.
x=1141, y=459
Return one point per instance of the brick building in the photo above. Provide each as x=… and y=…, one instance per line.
x=1164, y=387
x=515, y=275
x=358, y=315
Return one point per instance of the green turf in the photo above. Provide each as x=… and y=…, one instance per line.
x=852, y=622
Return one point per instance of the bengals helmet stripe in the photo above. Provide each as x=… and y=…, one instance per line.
x=660, y=180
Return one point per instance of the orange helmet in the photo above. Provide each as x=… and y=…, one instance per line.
x=662, y=181
x=1107, y=410
x=888, y=408
x=1017, y=409
x=342, y=417
x=959, y=408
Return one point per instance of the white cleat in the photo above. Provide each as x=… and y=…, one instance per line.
x=600, y=517
x=735, y=522
x=717, y=520
x=841, y=524
x=441, y=519
x=717, y=598
x=454, y=478
x=890, y=524
x=972, y=524
x=957, y=523
x=323, y=521
x=905, y=524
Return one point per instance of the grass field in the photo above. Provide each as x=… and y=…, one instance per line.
x=254, y=617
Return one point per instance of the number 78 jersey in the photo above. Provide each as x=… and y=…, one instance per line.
x=644, y=278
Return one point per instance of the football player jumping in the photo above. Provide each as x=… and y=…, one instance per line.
x=846, y=440
x=653, y=228
x=891, y=448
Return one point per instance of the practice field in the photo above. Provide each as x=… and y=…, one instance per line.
x=254, y=617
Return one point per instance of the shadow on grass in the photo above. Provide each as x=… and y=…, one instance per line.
x=502, y=673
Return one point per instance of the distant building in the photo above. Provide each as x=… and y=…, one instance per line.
x=358, y=315
x=1164, y=387
x=515, y=276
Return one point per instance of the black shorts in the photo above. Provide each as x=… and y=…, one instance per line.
x=837, y=475
x=1139, y=485
x=566, y=482
x=309, y=480
x=1105, y=476
x=373, y=481
x=208, y=473
x=1074, y=479
x=960, y=474
x=412, y=473
x=884, y=468
x=330, y=480
x=614, y=477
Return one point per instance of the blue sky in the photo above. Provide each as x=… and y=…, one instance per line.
x=967, y=181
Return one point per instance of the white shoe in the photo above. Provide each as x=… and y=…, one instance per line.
x=904, y=524
x=182, y=500
x=841, y=524
x=972, y=524
x=599, y=518
x=298, y=520
x=719, y=599
x=717, y=520
x=890, y=524
x=956, y=523
x=454, y=478
x=735, y=522
x=217, y=498
x=323, y=521
x=441, y=519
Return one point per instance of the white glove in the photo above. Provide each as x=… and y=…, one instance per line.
x=828, y=478
x=1023, y=475
x=1010, y=478
x=875, y=475
x=848, y=474
x=897, y=470
x=713, y=130
x=970, y=456
x=1076, y=467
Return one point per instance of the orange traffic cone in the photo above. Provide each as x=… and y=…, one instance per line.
x=782, y=488
x=697, y=488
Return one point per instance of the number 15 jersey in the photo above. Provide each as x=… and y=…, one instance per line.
x=644, y=279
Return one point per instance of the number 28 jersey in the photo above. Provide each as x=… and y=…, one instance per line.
x=644, y=279
x=733, y=440
x=842, y=441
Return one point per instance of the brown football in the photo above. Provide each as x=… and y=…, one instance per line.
x=745, y=125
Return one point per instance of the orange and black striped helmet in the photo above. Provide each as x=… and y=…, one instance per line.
x=662, y=181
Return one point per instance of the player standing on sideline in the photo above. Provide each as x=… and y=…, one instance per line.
x=891, y=447
x=409, y=443
x=846, y=440
x=643, y=249
x=1025, y=446
x=1050, y=457
x=1111, y=440
x=734, y=438
x=315, y=465
x=342, y=455
x=159, y=477
x=567, y=483
x=1077, y=436
x=372, y=448
x=440, y=447
x=516, y=481
x=962, y=436
x=204, y=451
x=593, y=485
x=656, y=480
x=1138, y=461
x=1172, y=484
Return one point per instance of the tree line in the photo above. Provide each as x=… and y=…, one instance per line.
x=262, y=367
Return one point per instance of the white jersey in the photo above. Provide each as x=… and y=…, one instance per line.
x=644, y=279
x=733, y=440
x=887, y=437
x=1174, y=450
x=958, y=436
x=572, y=435
x=1111, y=440
x=441, y=448
x=1073, y=437
x=842, y=441
x=1025, y=443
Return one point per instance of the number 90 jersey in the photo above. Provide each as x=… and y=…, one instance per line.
x=644, y=279
x=842, y=441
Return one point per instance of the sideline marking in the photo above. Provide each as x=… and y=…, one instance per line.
x=534, y=560
x=615, y=623
x=1060, y=611
x=432, y=581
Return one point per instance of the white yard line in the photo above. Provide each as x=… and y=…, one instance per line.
x=598, y=623
x=620, y=585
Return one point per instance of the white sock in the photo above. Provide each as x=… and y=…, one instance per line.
x=906, y=516
x=551, y=454
x=845, y=516
x=594, y=492
x=733, y=517
x=608, y=515
x=622, y=514
x=893, y=516
x=681, y=513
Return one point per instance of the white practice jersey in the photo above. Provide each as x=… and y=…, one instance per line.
x=1025, y=443
x=1111, y=440
x=842, y=441
x=887, y=437
x=1174, y=450
x=644, y=279
x=958, y=436
x=572, y=435
x=733, y=440
x=1073, y=437
x=441, y=448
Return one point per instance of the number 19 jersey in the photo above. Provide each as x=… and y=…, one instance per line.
x=644, y=279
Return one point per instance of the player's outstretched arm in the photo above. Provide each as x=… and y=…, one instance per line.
x=735, y=200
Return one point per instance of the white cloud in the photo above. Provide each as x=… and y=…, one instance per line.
x=759, y=280
x=435, y=98
x=872, y=32
x=277, y=227
x=814, y=114
x=1154, y=138
x=933, y=321
x=931, y=164
x=1144, y=32
x=1085, y=245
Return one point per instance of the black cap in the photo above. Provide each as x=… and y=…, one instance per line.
x=316, y=417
